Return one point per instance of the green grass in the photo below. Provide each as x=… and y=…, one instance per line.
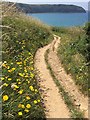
x=20, y=91
x=75, y=113
x=73, y=54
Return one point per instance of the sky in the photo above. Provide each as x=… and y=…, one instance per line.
x=82, y=3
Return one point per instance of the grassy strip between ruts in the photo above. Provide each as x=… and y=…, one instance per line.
x=75, y=113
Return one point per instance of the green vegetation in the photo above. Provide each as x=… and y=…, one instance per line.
x=21, y=37
x=74, y=53
x=75, y=112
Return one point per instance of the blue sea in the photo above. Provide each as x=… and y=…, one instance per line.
x=62, y=19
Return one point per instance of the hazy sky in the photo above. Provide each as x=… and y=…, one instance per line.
x=83, y=3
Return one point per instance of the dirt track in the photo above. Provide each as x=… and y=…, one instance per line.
x=55, y=106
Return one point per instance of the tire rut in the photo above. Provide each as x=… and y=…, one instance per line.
x=55, y=106
x=65, y=79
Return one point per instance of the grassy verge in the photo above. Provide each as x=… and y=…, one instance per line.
x=21, y=37
x=75, y=113
x=73, y=54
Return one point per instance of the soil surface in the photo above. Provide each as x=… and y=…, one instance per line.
x=55, y=106
x=66, y=80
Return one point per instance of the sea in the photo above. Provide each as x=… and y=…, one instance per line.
x=62, y=19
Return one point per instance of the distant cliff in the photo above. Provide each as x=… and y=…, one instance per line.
x=62, y=8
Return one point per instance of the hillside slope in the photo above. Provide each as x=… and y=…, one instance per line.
x=61, y=8
x=21, y=37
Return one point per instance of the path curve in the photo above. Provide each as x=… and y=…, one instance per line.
x=65, y=79
x=52, y=99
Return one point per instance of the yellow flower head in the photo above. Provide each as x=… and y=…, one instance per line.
x=5, y=97
x=9, y=70
x=35, y=102
x=28, y=106
x=27, y=97
x=15, y=86
x=32, y=75
x=20, y=105
x=19, y=83
x=20, y=113
x=28, y=82
x=38, y=100
x=2, y=78
x=21, y=74
x=36, y=90
x=5, y=84
x=18, y=63
x=18, y=80
x=31, y=88
x=20, y=92
x=8, y=67
x=26, y=110
x=13, y=69
x=9, y=79
x=32, y=68
x=25, y=71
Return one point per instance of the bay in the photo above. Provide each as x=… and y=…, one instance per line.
x=62, y=19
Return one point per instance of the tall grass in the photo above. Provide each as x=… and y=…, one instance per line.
x=21, y=37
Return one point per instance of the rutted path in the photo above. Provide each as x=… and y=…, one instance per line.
x=65, y=79
x=53, y=101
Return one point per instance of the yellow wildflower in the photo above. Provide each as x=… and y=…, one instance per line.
x=20, y=113
x=18, y=79
x=36, y=90
x=31, y=75
x=21, y=74
x=35, y=102
x=9, y=79
x=25, y=71
x=19, y=83
x=29, y=53
x=28, y=82
x=20, y=92
x=2, y=78
x=18, y=63
x=5, y=97
x=38, y=100
x=28, y=106
x=26, y=76
x=23, y=106
x=9, y=70
x=32, y=68
x=27, y=97
x=31, y=88
x=24, y=62
x=26, y=110
x=15, y=86
x=13, y=69
x=8, y=67
x=5, y=84
x=20, y=105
